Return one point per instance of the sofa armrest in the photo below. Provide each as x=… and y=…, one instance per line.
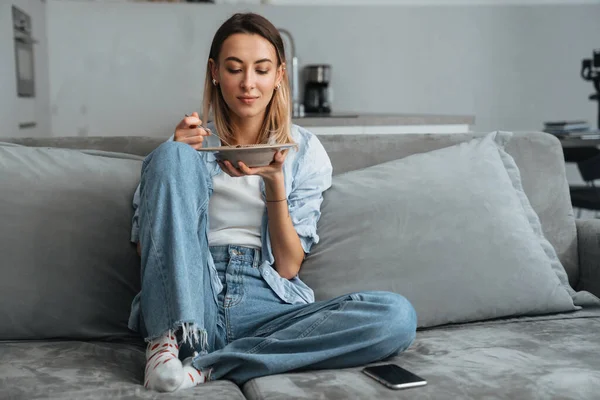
x=588, y=243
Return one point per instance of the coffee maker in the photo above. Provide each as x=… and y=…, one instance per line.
x=318, y=95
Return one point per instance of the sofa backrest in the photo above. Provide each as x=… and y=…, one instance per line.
x=538, y=155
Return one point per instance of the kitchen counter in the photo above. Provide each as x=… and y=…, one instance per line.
x=355, y=123
x=576, y=142
x=349, y=119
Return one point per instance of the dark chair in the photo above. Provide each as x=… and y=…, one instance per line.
x=587, y=197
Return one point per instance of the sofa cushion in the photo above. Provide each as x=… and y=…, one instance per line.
x=87, y=370
x=522, y=358
x=538, y=155
x=68, y=268
x=451, y=230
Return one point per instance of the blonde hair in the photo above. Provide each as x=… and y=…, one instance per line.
x=277, y=122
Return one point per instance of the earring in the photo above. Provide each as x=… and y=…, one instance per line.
x=278, y=86
x=215, y=82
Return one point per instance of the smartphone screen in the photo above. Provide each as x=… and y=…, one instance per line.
x=394, y=376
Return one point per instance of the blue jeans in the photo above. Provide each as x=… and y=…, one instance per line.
x=246, y=330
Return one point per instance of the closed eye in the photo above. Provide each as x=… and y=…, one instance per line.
x=236, y=71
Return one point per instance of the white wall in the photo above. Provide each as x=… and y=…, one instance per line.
x=136, y=68
x=13, y=109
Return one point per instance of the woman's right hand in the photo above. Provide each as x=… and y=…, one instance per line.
x=190, y=131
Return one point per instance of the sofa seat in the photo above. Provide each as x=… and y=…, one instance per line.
x=530, y=358
x=551, y=357
x=87, y=370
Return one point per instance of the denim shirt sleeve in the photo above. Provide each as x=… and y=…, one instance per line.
x=312, y=178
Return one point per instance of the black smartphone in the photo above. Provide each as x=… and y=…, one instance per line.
x=394, y=377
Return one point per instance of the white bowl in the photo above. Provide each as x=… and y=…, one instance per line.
x=252, y=156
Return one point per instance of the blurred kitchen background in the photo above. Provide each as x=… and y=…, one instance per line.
x=119, y=67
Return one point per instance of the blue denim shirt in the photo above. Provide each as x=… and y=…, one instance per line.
x=307, y=172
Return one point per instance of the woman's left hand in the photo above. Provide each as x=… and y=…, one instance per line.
x=272, y=171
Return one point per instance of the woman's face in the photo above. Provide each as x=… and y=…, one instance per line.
x=247, y=73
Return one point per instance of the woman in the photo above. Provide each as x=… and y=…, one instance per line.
x=221, y=245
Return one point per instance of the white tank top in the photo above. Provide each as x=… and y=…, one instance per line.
x=235, y=211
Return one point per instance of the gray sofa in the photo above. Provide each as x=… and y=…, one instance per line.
x=69, y=274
